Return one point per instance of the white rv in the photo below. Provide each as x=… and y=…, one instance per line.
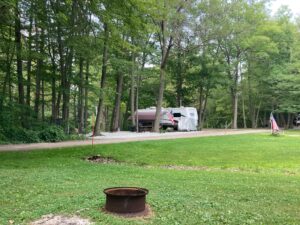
x=187, y=118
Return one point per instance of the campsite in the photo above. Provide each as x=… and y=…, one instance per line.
x=149, y=112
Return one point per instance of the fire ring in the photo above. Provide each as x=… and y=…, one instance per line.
x=125, y=199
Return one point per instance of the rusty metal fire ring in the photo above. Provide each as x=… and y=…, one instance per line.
x=125, y=199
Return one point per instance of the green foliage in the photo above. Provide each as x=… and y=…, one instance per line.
x=3, y=138
x=62, y=57
x=42, y=133
x=52, y=134
x=19, y=135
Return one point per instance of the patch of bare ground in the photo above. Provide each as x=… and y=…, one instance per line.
x=175, y=167
x=290, y=173
x=61, y=220
x=146, y=214
x=199, y=168
x=100, y=159
x=194, y=168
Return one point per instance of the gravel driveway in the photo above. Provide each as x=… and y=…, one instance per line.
x=125, y=136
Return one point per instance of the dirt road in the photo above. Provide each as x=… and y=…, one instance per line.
x=127, y=137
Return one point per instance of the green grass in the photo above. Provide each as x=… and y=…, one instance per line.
x=247, y=179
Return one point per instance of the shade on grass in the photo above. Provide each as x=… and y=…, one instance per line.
x=265, y=189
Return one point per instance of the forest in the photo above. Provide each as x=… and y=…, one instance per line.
x=73, y=66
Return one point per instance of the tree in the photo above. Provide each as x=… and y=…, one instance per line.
x=168, y=21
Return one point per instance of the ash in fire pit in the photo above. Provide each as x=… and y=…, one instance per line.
x=100, y=159
x=126, y=200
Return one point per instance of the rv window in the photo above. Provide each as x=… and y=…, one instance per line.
x=177, y=114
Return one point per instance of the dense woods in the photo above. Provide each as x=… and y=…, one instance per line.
x=67, y=65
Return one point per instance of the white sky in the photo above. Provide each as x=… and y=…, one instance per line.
x=294, y=5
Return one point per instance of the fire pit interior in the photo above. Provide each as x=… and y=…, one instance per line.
x=125, y=199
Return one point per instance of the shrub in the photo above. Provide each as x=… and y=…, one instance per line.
x=18, y=134
x=76, y=137
x=31, y=136
x=3, y=138
x=52, y=134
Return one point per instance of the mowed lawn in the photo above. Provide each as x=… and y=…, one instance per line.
x=240, y=179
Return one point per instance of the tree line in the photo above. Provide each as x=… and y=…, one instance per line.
x=77, y=63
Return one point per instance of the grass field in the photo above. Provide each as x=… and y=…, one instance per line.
x=241, y=179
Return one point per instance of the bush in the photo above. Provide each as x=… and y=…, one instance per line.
x=52, y=134
x=3, y=138
x=76, y=137
x=19, y=135
x=31, y=136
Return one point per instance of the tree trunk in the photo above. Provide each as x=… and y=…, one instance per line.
x=103, y=81
x=234, y=97
x=86, y=91
x=105, y=118
x=29, y=62
x=200, y=107
x=132, y=93
x=53, y=86
x=7, y=79
x=75, y=108
x=61, y=70
x=137, y=99
x=57, y=105
x=37, y=90
x=203, y=97
x=53, y=98
x=127, y=113
x=19, y=54
x=179, y=80
x=257, y=115
x=81, y=98
x=39, y=75
x=159, y=100
x=282, y=120
x=66, y=91
x=204, y=107
x=165, y=50
x=251, y=105
x=290, y=120
x=244, y=113
x=115, y=124
x=43, y=100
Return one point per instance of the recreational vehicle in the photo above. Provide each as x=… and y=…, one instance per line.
x=146, y=118
x=186, y=118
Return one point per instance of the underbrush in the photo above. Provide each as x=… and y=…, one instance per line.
x=51, y=133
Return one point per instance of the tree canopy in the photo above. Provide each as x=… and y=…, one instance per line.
x=75, y=63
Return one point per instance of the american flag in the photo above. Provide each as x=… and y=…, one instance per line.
x=274, y=125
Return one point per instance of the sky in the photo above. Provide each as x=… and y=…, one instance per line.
x=294, y=5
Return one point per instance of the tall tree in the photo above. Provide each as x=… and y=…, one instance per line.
x=103, y=80
x=19, y=53
x=168, y=21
